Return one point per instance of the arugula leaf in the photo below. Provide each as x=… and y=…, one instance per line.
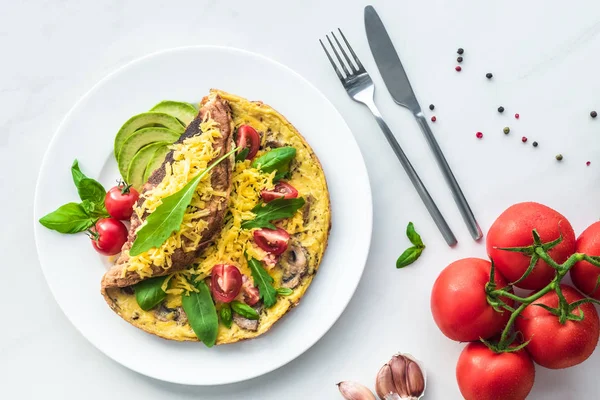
x=283, y=291
x=89, y=189
x=244, y=310
x=409, y=256
x=226, y=316
x=276, y=159
x=168, y=216
x=264, y=281
x=241, y=156
x=271, y=211
x=413, y=236
x=149, y=293
x=69, y=218
x=202, y=314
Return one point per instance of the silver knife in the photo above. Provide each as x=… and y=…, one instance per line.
x=398, y=85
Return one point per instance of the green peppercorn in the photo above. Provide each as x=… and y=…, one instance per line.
x=506, y=130
x=559, y=157
x=500, y=109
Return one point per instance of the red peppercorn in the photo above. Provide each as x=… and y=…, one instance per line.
x=433, y=119
x=523, y=139
x=479, y=135
x=517, y=116
x=588, y=163
x=458, y=68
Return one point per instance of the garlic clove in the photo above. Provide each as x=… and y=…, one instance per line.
x=392, y=396
x=416, y=380
x=384, y=383
x=355, y=391
x=408, y=376
x=398, y=366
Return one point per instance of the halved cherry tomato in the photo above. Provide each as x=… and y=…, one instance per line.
x=226, y=282
x=274, y=241
x=251, y=294
x=119, y=201
x=247, y=137
x=108, y=236
x=282, y=190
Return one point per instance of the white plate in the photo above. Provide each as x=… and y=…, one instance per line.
x=73, y=269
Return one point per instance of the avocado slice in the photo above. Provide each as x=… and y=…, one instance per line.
x=156, y=161
x=184, y=112
x=142, y=121
x=139, y=139
x=137, y=166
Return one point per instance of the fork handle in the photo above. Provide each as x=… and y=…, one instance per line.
x=435, y=213
x=459, y=197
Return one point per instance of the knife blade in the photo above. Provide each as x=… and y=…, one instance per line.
x=387, y=61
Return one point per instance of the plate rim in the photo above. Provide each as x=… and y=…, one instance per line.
x=141, y=59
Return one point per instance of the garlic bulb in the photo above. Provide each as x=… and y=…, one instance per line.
x=400, y=378
x=355, y=391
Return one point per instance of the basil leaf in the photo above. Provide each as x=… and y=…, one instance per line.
x=271, y=211
x=226, y=316
x=409, y=256
x=149, y=293
x=264, y=281
x=76, y=172
x=413, y=236
x=202, y=314
x=69, y=218
x=241, y=156
x=275, y=159
x=168, y=216
x=89, y=189
x=244, y=310
x=283, y=291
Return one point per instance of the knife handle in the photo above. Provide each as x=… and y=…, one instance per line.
x=435, y=213
x=457, y=193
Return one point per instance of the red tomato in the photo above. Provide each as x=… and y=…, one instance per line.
x=513, y=229
x=251, y=294
x=484, y=375
x=554, y=345
x=247, y=137
x=226, y=282
x=282, y=190
x=108, y=236
x=459, y=301
x=275, y=241
x=585, y=276
x=119, y=201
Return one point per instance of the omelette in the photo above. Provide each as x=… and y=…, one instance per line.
x=286, y=249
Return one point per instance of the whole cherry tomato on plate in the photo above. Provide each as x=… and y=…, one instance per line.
x=226, y=282
x=585, y=276
x=108, y=236
x=514, y=227
x=119, y=201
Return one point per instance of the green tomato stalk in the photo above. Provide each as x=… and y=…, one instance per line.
x=564, y=311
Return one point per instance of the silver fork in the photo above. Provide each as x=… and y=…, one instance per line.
x=360, y=88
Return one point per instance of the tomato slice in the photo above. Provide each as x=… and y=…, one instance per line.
x=251, y=294
x=247, y=137
x=274, y=241
x=226, y=282
x=282, y=190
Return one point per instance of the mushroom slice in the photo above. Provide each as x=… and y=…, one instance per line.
x=295, y=265
x=245, y=323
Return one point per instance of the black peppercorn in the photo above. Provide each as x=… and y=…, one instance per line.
x=459, y=59
x=500, y=109
x=460, y=50
x=593, y=114
x=431, y=107
x=535, y=144
x=489, y=75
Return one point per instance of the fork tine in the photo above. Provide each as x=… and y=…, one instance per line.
x=337, y=71
x=360, y=66
x=344, y=52
x=338, y=57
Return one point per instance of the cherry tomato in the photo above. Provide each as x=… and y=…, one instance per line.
x=282, y=190
x=108, y=236
x=275, y=241
x=247, y=137
x=484, y=375
x=513, y=229
x=119, y=201
x=585, y=276
x=226, y=282
x=251, y=294
x=555, y=345
x=459, y=301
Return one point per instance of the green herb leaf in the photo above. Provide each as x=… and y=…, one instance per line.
x=202, y=314
x=241, y=156
x=409, y=256
x=413, y=236
x=283, y=291
x=168, y=216
x=264, y=281
x=149, y=293
x=69, y=218
x=271, y=211
x=244, y=310
x=89, y=189
x=276, y=159
x=76, y=172
x=226, y=316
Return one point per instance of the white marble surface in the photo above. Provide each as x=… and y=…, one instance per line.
x=545, y=60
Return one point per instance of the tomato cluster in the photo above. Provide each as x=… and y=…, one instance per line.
x=533, y=247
